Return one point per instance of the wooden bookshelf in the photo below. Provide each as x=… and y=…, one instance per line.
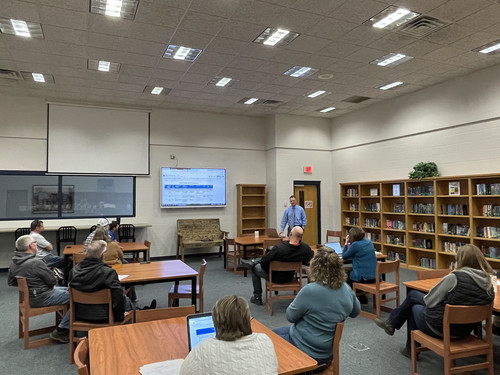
x=252, y=208
x=424, y=222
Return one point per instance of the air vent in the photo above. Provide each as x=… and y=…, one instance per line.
x=422, y=26
x=356, y=99
x=9, y=74
x=271, y=102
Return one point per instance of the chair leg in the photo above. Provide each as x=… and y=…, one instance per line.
x=413, y=356
x=26, y=331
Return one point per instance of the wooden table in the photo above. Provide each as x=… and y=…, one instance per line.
x=245, y=242
x=427, y=284
x=122, y=350
x=158, y=272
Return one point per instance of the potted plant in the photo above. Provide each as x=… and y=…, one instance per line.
x=423, y=169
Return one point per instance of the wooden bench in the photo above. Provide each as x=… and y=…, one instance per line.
x=196, y=233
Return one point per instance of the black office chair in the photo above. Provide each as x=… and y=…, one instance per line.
x=126, y=232
x=21, y=232
x=65, y=234
x=93, y=228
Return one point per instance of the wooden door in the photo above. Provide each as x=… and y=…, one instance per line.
x=307, y=198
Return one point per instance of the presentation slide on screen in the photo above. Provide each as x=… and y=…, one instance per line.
x=193, y=187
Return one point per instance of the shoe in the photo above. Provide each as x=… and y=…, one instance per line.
x=152, y=306
x=59, y=274
x=388, y=328
x=61, y=336
x=256, y=299
x=363, y=299
x=247, y=263
x=405, y=352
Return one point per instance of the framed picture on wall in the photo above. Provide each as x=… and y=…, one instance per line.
x=45, y=199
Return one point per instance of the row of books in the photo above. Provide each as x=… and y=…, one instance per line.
x=488, y=232
x=491, y=210
x=421, y=190
x=422, y=243
x=395, y=240
x=488, y=189
x=456, y=229
x=395, y=224
x=398, y=208
x=491, y=251
x=374, y=237
x=451, y=247
x=351, y=220
x=422, y=208
x=351, y=192
x=393, y=255
x=428, y=262
x=373, y=223
x=454, y=209
x=353, y=207
x=423, y=227
x=372, y=207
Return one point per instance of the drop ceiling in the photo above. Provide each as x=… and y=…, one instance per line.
x=334, y=39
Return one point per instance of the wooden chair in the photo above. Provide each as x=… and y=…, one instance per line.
x=65, y=234
x=233, y=254
x=184, y=291
x=126, y=232
x=451, y=350
x=272, y=233
x=165, y=313
x=78, y=257
x=81, y=356
x=432, y=274
x=267, y=244
x=380, y=288
x=272, y=287
x=101, y=297
x=21, y=232
x=148, y=254
x=26, y=312
x=333, y=233
x=333, y=369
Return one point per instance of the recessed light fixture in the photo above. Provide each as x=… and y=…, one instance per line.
x=490, y=48
x=300, y=71
x=315, y=94
x=103, y=66
x=276, y=37
x=181, y=53
x=251, y=101
x=221, y=81
x=390, y=85
x=38, y=77
x=156, y=90
x=21, y=28
x=115, y=8
x=248, y=101
x=391, y=59
x=327, y=109
x=391, y=17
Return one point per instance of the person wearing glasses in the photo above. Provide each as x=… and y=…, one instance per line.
x=41, y=282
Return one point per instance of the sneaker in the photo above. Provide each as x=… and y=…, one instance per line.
x=61, y=336
x=247, y=263
x=405, y=352
x=256, y=299
x=59, y=274
x=386, y=326
x=152, y=306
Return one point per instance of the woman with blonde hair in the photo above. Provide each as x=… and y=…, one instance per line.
x=469, y=284
x=114, y=254
x=319, y=305
x=235, y=348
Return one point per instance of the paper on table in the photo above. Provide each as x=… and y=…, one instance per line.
x=121, y=277
x=171, y=367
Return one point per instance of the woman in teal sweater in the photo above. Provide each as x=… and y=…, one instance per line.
x=319, y=305
x=362, y=253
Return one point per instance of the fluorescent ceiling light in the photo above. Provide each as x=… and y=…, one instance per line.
x=391, y=17
x=391, y=85
x=492, y=47
x=316, y=94
x=157, y=90
x=181, y=53
x=328, y=109
x=251, y=101
x=115, y=8
x=300, y=71
x=21, y=28
x=103, y=66
x=391, y=59
x=38, y=77
x=276, y=37
x=223, y=82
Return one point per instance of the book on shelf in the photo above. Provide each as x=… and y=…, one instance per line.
x=481, y=189
x=495, y=189
x=373, y=192
x=454, y=188
x=396, y=192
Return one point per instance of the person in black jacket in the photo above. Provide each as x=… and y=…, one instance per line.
x=292, y=251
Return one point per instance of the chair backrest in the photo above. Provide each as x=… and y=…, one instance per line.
x=66, y=234
x=93, y=228
x=228, y=242
x=336, y=347
x=21, y=232
x=385, y=268
x=461, y=314
x=272, y=233
x=81, y=356
x=267, y=244
x=24, y=295
x=148, y=245
x=333, y=233
x=78, y=257
x=101, y=297
x=126, y=231
x=285, y=266
x=432, y=274
x=165, y=313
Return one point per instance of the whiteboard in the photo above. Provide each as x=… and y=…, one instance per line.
x=97, y=140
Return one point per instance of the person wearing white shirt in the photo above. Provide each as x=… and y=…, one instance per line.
x=43, y=247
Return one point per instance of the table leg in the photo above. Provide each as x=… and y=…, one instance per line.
x=193, y=292
x=245, y=257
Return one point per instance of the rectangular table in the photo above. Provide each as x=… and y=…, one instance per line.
x=427, y=284
x=245, y=242
x=122, y=350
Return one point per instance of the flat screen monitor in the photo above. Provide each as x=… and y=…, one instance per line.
x=193, y=187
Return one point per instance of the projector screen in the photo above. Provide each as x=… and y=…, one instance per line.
x=97, y=140
x=192, y=187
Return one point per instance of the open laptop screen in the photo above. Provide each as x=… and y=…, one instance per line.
x=200, y=327
x=335, y=246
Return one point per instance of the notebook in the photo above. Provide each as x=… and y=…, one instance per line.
x=200, y=327
x=335, y=246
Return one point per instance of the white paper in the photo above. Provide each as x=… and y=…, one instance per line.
x=121, y=277
x=171, y=367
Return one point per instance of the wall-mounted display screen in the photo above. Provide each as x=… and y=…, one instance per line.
x=193, y=187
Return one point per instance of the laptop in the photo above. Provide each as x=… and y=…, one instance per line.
x=335, y=246
x=200, y=327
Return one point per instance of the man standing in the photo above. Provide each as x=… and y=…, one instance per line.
x=292, y=251
x=294, y=216
x=44, y=247
x=41, y=282
x=101, y=223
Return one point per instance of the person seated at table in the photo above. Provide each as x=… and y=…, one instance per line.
x=113, y=230
x=361, y=252
x=319, y=305
x=293, y=251
x=469, y=284
x=235, y=348
x=113, y=254
x=101, y=223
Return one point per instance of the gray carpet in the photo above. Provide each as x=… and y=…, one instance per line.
x=365, y=348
